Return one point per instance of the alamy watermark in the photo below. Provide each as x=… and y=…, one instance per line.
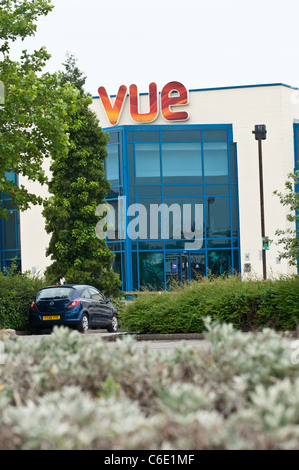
x=156, y=221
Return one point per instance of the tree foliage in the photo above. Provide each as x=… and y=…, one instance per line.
x=33, y=116
x=78, y=186
x=289, y=238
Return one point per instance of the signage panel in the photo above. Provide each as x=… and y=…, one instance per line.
x=173, y=95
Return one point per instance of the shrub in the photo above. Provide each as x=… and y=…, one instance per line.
x=17, y=290
x=248, y=305
x=280, y=303
x=63, y=391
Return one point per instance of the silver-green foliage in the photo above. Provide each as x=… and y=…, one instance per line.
x=72, y=391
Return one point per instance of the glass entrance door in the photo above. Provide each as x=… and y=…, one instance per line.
x=172, y=268
x=185, y=268
x=177, y=268
x=198, y=265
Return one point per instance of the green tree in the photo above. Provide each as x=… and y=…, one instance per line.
x=35, y=106
x=78, y=186
x=289, y=238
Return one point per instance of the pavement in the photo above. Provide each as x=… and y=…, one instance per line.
x=148, y=337
x=166, y=346
x=158, y=342
x=139, y=337
x=155, y=342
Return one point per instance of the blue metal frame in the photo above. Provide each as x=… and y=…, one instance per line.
x=296, y=168
x=296, y=156
x=15, y=252
x=232, y=193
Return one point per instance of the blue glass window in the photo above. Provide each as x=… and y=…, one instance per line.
x=181, y=136
x=233, y=163
x=148, y=191
x=147, y=136
x=214, y=135
x=151, y=269
x=197, y=265
x=115, y=220
x=150, y=245
x=112, y=165
x=117, y=264
x=177, y=166
x=184, y=216
x=144, y=221
x=135, y=283
x=10, y=176
x=147, y=163
x=113, y=192
x=113, y=136
x=217, y=189
x=182, y=190
x=215, y=162
x=219, y=262
x=182, y=163
x=9, y=230
x=218, y=217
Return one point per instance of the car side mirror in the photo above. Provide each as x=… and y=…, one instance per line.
x=108, y=300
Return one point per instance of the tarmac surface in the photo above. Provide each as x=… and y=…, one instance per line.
x=164, y=345
x=157, y=342
x=160, y=342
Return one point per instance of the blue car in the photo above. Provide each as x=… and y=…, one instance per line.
x=77, y=306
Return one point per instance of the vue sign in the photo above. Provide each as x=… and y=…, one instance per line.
x=173, y=94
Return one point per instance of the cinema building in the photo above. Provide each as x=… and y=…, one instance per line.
x=192, y=157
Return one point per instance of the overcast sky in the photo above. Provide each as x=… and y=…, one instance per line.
x=201, y=43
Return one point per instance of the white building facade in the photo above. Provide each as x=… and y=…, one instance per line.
x=196, y=147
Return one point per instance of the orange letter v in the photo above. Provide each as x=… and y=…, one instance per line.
x=113, y=112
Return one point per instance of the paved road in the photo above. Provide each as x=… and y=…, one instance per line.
x=154, y=344
x=162, y=345
x=165, y=345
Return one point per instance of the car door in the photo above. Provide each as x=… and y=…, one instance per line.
x=88, y=304
x=102, y=312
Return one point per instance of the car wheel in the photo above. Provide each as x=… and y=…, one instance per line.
x=84, y=323
x=113, y=327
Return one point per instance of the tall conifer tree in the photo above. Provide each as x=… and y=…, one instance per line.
x=78, y=186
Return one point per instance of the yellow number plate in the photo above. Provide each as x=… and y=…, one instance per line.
x=52, y=317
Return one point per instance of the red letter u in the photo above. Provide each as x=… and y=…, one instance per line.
x=134, y=104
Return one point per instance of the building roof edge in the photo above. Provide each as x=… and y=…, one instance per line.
x=228, y=88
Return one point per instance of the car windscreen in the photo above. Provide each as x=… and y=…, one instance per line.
x=55, y=293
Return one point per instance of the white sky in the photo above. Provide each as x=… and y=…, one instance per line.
x=201, y=43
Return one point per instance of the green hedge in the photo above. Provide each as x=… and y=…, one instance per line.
x=17, y=290
x=248, y=305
